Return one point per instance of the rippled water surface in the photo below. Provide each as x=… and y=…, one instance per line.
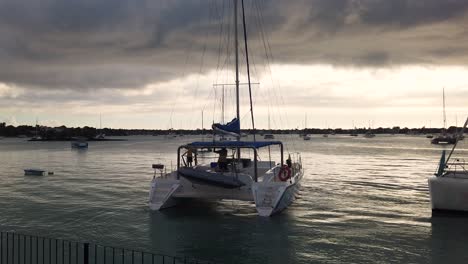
x=362, y=201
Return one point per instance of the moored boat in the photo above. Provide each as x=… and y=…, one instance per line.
x=79, y=143
x=448, y=188
x=34, y=172
x=271, y=186
x=444, y=138
x=243, y=170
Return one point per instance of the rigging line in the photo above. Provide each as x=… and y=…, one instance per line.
x=187, y=58
x=269, y=56
x=195, y=95
x=220, y=42
x=269, y=53
x=227, y=60
x=248, y=68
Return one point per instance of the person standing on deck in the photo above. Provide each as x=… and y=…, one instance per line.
x=190, y=157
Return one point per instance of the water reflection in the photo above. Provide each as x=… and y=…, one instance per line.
x=449, y=238
x=199, y=228
x=362, y=201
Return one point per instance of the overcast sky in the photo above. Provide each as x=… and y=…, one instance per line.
x=152, y=64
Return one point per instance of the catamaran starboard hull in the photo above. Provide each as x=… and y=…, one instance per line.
x=268, y=205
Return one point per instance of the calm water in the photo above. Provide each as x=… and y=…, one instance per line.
x=363, y=200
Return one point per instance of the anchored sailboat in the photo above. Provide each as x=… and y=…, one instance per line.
x=239, y=172
x=448, y=189
x=444, y=137
x=305, y=136
x=100, y=135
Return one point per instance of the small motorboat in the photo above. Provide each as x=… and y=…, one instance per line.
x=79, y=143
x=34, y=172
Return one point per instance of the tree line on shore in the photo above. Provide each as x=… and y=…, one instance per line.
x=66, y=133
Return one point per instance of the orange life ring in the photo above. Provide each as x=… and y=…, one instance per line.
x=284, y=173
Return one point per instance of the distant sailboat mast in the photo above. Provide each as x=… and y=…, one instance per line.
x=236, y=45
x=305, y=122
x=443, y=104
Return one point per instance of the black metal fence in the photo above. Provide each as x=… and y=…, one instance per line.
x=26, y=249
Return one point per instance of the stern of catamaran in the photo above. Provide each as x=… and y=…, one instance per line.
x=281, y=189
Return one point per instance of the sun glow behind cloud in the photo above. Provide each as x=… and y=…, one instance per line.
x=330, y=96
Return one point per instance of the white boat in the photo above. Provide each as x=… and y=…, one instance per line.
x=369, y=134
x=79, y=143
x=100, y=135
x=304, y=135
x=272, y=187
x=444, y=138
x=239, y=173
x=269, y=136
x=36, y=136
x=448, y=189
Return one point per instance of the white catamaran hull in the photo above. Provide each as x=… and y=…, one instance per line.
x=270, y=197
x=273, y=197
x=449, y=193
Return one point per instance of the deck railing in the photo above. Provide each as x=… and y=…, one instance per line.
x=27, y=249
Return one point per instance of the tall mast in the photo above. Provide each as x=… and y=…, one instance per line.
x=202, y=130
x=248, y=71
x=443, y=97
x=222, y=105
x=236, y=45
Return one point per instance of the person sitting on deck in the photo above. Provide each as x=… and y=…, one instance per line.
x=222, y=159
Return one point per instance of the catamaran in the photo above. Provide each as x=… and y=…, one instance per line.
x=448, y=189
x=238, y=171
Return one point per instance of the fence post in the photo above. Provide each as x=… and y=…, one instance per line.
x=86, y=253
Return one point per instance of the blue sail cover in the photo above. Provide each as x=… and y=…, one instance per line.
x=232, y=128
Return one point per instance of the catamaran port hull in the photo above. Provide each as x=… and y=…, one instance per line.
x=269, y=197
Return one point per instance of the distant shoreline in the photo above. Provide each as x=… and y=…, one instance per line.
x=63, y=133
x=72, y=139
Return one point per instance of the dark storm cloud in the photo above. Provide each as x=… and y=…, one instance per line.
x=93, y=44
